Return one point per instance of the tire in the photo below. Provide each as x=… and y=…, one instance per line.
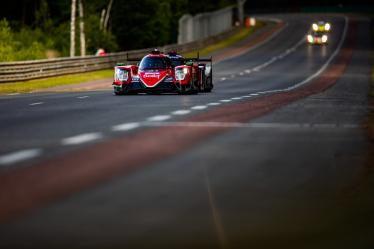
x=208, y=85
x=194, y=86
x=203, y=86
x=119, y=91
x=125, y=93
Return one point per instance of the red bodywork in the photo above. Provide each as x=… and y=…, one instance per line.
x=158, y=77
x=130, y=69
x=152, y=77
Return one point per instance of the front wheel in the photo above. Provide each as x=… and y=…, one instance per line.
x=117, y=90
x=118, y=93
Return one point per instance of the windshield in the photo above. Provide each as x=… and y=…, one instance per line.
x=154, y=63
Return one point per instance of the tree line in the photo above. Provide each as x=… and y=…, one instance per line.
x=35, y=29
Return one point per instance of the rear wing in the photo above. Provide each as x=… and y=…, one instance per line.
x=198, y=59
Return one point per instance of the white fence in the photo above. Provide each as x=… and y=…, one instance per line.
x=192, y=28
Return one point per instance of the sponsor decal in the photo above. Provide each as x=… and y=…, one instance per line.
x=152, y=78
x=152, y=75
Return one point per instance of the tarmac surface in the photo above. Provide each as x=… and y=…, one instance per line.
x=274, y=157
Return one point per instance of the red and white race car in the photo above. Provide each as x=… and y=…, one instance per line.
x=164, y=73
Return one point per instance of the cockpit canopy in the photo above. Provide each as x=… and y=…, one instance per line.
x=155, y=62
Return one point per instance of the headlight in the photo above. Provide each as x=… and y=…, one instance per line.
x=327, y=26
x=180, y=73
x=121, y=74
x=310, y=38
x=324, y=38
x=315, y=27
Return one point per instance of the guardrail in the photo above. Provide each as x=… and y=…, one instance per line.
x=28, y=70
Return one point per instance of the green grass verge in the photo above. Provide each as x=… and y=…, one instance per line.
x=242, y=34
x=32, y=85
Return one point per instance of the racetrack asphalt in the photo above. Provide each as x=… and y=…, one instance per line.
x=293, y=175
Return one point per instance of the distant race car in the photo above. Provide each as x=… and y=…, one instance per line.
x=321, y=26
x=317, y=38
x=164, y=73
